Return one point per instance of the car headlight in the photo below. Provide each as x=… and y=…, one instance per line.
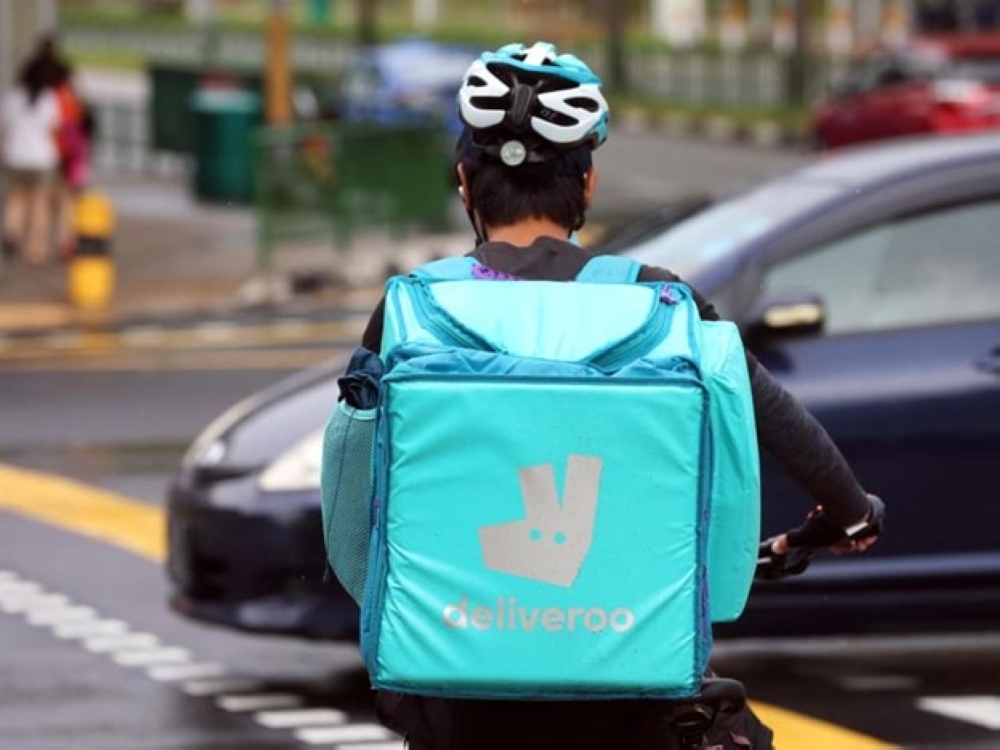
x=205, y=453
x=297, y=468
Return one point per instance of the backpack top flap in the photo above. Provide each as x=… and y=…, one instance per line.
x=554, y=320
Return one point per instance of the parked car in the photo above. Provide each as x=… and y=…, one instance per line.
x=938, y=84
x=868, y=282
x=409, y=81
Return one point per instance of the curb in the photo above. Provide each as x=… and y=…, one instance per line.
x=712, y=128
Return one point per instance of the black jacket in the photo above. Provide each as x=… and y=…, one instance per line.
x=784, y=429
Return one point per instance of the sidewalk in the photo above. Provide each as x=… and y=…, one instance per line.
x=177, y=259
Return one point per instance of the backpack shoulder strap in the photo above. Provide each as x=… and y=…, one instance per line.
x=446, y=269
x=610, y=269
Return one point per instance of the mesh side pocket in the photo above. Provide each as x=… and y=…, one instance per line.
x=346, y=494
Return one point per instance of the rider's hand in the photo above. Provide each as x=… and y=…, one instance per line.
x=780, y=544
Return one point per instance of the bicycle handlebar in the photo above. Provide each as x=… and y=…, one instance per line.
x=774, y=567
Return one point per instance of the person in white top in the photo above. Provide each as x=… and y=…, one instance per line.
x=29, y=116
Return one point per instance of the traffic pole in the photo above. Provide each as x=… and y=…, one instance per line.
x=91, y=273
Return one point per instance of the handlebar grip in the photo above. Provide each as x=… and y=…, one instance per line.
x=773, y=567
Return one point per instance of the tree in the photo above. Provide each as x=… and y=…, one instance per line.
x=612, y=13
x=367, y=15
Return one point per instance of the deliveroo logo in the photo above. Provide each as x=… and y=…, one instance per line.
x=550, y=544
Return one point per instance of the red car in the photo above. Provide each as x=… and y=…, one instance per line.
x=935, y=84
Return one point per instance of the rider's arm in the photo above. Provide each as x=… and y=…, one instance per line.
x=372, y=337
x=792, y=435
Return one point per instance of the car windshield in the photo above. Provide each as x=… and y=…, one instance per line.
x=699, y=242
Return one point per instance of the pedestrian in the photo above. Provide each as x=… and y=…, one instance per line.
x=525, y=167
x=29, y=118
x=73, y=139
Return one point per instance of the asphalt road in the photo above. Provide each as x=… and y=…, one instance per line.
x=124, y=431
x=91, y=658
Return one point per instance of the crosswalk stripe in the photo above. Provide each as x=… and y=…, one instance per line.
x=59, y=615
x=89, y=628
x=338, y=735
x=204, y=688
x=310, y=717
x=122, y=642
x=152, y=657
x=172, y=672
x=982, y=710
x=258, y=702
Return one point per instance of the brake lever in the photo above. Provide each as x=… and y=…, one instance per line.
x=773, y=567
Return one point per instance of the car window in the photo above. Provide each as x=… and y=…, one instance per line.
x=711, y=236
x=935, y=268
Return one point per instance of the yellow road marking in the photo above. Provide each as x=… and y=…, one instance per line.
x=85, y=510
x=140, y=528
x=793, y=730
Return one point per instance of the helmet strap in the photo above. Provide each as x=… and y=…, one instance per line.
x=477, y=225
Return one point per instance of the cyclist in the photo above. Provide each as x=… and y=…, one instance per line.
x=533, y=118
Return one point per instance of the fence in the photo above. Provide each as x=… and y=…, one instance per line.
x=752, y=78
x=331, y=181
x=122, y=141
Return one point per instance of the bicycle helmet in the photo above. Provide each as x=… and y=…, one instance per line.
x=529, y=104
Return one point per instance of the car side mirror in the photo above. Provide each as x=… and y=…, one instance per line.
x=787, y=315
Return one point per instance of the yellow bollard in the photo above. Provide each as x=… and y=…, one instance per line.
x=92, y=270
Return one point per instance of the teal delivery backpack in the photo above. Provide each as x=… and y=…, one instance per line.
x=560, y=481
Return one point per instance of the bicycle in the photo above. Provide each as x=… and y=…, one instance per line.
x=692, y=720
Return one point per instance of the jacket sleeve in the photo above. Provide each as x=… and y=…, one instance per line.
x=789, y=433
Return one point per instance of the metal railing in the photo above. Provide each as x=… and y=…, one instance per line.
x=122, y=144
x=331, y=181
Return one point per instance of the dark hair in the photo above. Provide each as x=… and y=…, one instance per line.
x=503, y=195
x=41, y=73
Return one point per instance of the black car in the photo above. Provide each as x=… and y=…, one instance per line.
x=867, y=282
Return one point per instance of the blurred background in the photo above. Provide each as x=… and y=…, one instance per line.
x=202, y=200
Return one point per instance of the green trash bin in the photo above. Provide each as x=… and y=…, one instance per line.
x=225, y=121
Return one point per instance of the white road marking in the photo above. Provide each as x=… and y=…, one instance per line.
x=59, y=615
x=216, y=331
x=31, y=601
x=220, y=686
x=142, y=335
x=121, y=642
x=319, y=726
x=19, y=588
x=310, y=717
x=337, y=735
x=877, y=682
x=983, y=710
x=152, y=657
x=89, y=628
x=172, y=672
x=258, y=702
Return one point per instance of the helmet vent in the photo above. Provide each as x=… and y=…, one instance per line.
x=583, y=103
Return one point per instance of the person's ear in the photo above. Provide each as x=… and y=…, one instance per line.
x=589, y=187
x=463, y=186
